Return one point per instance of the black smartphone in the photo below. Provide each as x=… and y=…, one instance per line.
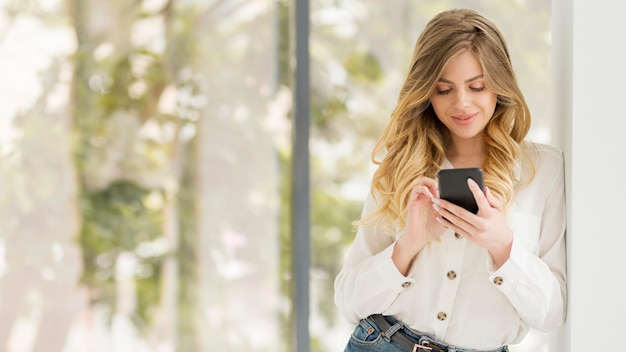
x=453, y=186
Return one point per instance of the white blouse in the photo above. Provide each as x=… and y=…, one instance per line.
x=452, y=291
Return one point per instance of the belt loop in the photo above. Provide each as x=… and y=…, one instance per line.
x=397, y=326
x=367, y=326
x=392, y=330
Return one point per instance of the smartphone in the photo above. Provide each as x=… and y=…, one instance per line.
x=453, y=186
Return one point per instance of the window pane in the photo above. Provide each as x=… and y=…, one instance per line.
x=145, y=157
x=143, y=162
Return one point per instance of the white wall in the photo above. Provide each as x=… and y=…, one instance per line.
x=590, y=92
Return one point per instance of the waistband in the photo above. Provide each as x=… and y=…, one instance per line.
x=413, y=341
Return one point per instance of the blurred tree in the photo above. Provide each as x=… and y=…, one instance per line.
x=135, y=121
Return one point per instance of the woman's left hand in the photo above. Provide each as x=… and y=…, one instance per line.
x=488, y=228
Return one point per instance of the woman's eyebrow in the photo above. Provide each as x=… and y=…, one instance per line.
x=443, y=80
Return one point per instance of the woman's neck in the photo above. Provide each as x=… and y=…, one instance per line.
x=467, y=153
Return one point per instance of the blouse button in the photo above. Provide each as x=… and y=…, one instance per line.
x=442, y=316
x=451, y=275
x=406, y=284
x=457, y=235
x=498, y=280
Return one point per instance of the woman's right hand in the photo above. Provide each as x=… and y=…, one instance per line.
x=421, y=224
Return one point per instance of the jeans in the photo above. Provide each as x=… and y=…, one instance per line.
x=368, y=337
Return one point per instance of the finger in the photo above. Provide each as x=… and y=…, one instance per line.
x=420, y=190
x=479, y=196
x=493, y=201
x=429, y=182
x=447, y=208
x=427, y=186
x=445, y=222
x=432, y=185
x=452, y=213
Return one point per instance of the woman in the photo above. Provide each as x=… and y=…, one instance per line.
x=425, y=274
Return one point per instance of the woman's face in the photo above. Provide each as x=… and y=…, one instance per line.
x=461, y=100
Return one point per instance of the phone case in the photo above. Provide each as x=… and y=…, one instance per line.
x=453, y=186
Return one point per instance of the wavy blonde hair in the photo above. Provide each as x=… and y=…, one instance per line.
x=414, y=141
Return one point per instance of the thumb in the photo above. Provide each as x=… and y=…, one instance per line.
x=493, y=201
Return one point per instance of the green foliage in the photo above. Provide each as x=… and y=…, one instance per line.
x=283, y=52
x=332, y=231
x=324, y=113
x=116, y=220
x=364, y=67
x=286, y=258
x=187, y=256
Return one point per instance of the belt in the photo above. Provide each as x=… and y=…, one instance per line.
x=423, y=345
x=404, y=341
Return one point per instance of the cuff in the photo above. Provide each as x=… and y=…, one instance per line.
x=504, y=277
x=387, y=270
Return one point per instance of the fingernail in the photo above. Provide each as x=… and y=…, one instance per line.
x=470, y=181
x=435, y=200
x=436, y=207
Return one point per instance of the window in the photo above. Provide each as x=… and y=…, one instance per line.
x=147, y=158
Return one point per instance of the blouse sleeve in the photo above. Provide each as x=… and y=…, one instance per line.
x=369, y=281
x=534, y=280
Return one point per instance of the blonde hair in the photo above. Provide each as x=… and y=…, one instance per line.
x=414, y=141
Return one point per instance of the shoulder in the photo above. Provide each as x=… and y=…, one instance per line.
x=544, y=155
x=547, y=161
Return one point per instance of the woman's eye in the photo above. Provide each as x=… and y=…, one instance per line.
x=477, y=89
x=443, y=91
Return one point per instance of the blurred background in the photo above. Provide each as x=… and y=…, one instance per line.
x=146, y=162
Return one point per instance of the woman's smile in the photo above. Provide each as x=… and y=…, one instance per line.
x=464, y=119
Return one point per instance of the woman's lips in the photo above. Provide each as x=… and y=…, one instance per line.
x=464, y=119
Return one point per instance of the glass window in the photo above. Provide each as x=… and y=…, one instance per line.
x=146, y=153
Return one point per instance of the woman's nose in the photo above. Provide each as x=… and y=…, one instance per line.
x=462, y=98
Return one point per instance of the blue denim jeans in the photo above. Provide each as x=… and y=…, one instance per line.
x=369, y=337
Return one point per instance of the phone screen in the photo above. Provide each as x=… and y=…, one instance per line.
x=453, y=186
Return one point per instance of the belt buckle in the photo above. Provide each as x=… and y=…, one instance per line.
x=417, y=347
